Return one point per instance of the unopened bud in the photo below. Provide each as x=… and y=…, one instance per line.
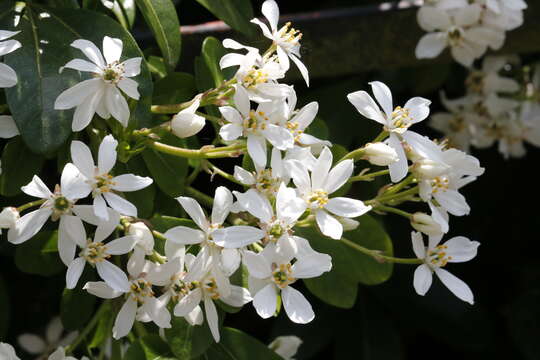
x=428, y=169
x=380, y=154
x=8, y=218
x=425, y=223
x=348, y=224
x=187, y=123
x=144, y=236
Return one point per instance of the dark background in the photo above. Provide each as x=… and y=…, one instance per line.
x=390, y=321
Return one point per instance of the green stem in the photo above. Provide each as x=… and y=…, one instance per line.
x=203, y=153
x=205, y=199
x=223, y=174
x=386, y=198
x=376, y=254
x=368, y=176
x=354, y=155
x=393, y=210
x=30, y=205
x=394, y=189
x=380, y=137
x=89, y=327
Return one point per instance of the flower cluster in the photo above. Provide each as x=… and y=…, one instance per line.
x=468, y=28
x=294, y=180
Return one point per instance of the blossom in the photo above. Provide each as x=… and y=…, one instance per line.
x=271, y=273
x=457, y=249
x=8, y=77
x=96, y=253
x=7, y=352
x=256, y=126
x=100, y=94
x=98, y=180
x=8, y=128
x=286, y=346
x=187, y=123
x=487, y=79
x=380, y=154
x=37, y=345
x=316, y=186
x=395, y=120
x=286, y=39
x=458, y=28
x=8, y=218
x=427, y=224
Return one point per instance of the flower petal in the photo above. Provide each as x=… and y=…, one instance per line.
x=85, y=111
x=117, y=105
x=235, y=237
x=311, y=265
x=296, y=306
x=423, y=278
x=74, y=272
x=8, y=128
x=223, y=200
x=256, y=204
x=418, y=245
x=90, y=50
x=77, y=94
x=113, y=275
x=461, y=249
x=8, y=77
x=120, y=204
x=122, y=245
x=132, y=67
x=329, y=225
x=82, y=158
x=265, y=301
x=101, y=289
x=112, y=49
x=194, y=210
x=130, y=182
x=28, y=225
x=431, y=45
x=457, y=286
x=398, y=169
x=125, y=319
x=384, y=97
x=270, y=10
x=37, y=188
x=212, y=317
x=73, y=183
x=346, y=207
x=184, y=235
x=30, y=343
x=188, y=303
x=338, y=176
x=82, y=65
x=257, y=149
x=130, y=87
x=366, y=106
x=257, y=265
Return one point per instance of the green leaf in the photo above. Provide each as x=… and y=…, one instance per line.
x=30, y=257
x=212, y=51
x=163, y=223
x=236, y=13
x=19, y=165
x=77, y=305
x=155, y=348
x=370, y=234
x=45, y=48
x=174, y=88
x=161, y=17
x=168, y=171
x=103, y=328
x=4, y=308
x=318, y=128
x=187, y=341
x=135, y=352
x=236, y=345
x=339, y=286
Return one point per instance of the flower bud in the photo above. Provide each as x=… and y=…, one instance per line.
x=186, y=123
x=347, y=223
x=380, y=154
x=8, y=218
x=428, y=169
x=424, y=223
x=144, y=236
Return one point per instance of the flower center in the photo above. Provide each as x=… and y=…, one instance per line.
x=140, y=289
x=210, y=286
x=438, y=257
x=293, y=126
x=439, y=183
x=113, y=73
x=95, y=252
x=457, y=124
x=254, y=77
x=455, y=36
x=401, y=118
x=475, y=82
x=288, y=35
x=256, y=120
x=61, y=206
x=282, y=275
x=318, y=199
x=102, y=184
x=266, y=183
x=180, y=289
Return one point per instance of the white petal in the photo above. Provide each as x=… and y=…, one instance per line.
x=235, y=237
x=346, y=207
x=82, y=65
x=132, y=67
x=431, y=45
x=303, y=69
x=423, y=278
x=28, y=225
x=299, y=173
x=113, y=275
x=296, y=306
x=256, y=204
x=241, y=100
x=117, y=105
x=244, y=176
x=90, y=50
x=130, y=182
x=468, y=16
x=265, y=301
x=399, y=169
x=223, y=200
x=384, y=97
x=184, y=235
x=418, y=245
x=120, y=204
x=54, y=331
x=257, y=265
x=82, y=158
x=455, y=285
x=8, y=77
x=156, y=309
x=230, y=132
x=338, y=176
x=230, y=261
x=321, y=170
x=8, y=128
x=112, y=49
x=264, y=28
x=7, y=47
x=289, y=207
x=366, y=106
x=74, y=272
x=433, y=18
x=37, y=188
x=122, y=245
x=270, y=10
x=101, y=289
x=453, y=202
x=257, y=149
x=212, y=317
x=136, y=262
x=278, y=136
x=73, y=183
x=130, y=87
x=311, y=265
x=194, y=210
x=77, y=94
x=85, y=111
x=461, y=249
x=4, y=34
x=238, y=297
x=30, y=343
x=125, y=319
x=329, y=225
x=188, y=303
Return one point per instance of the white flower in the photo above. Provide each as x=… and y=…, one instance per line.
x=380, y=154
x=300, y=121
x=286, y=39
x=487, y=79
x=187, y=123
x=96, y=254
x=272, y=273
x=503, y=14
x=8, y=218
x=37, y=345
x=458, y=28
x=7, y=352
x=256, y=126
x=140, y=300
x=286, y=346
x=8, y=77
x=98, y=181
x=423, y=222
x=100, y=94
x=395, y=121
x=8, y=128
x=316, y=186
x=435, y=257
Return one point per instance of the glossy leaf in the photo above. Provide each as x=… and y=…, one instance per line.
x=186, y=341
x=236, y=13
x=161, y=17
x=237, y=345
x=30, y=257
x=174, y=88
